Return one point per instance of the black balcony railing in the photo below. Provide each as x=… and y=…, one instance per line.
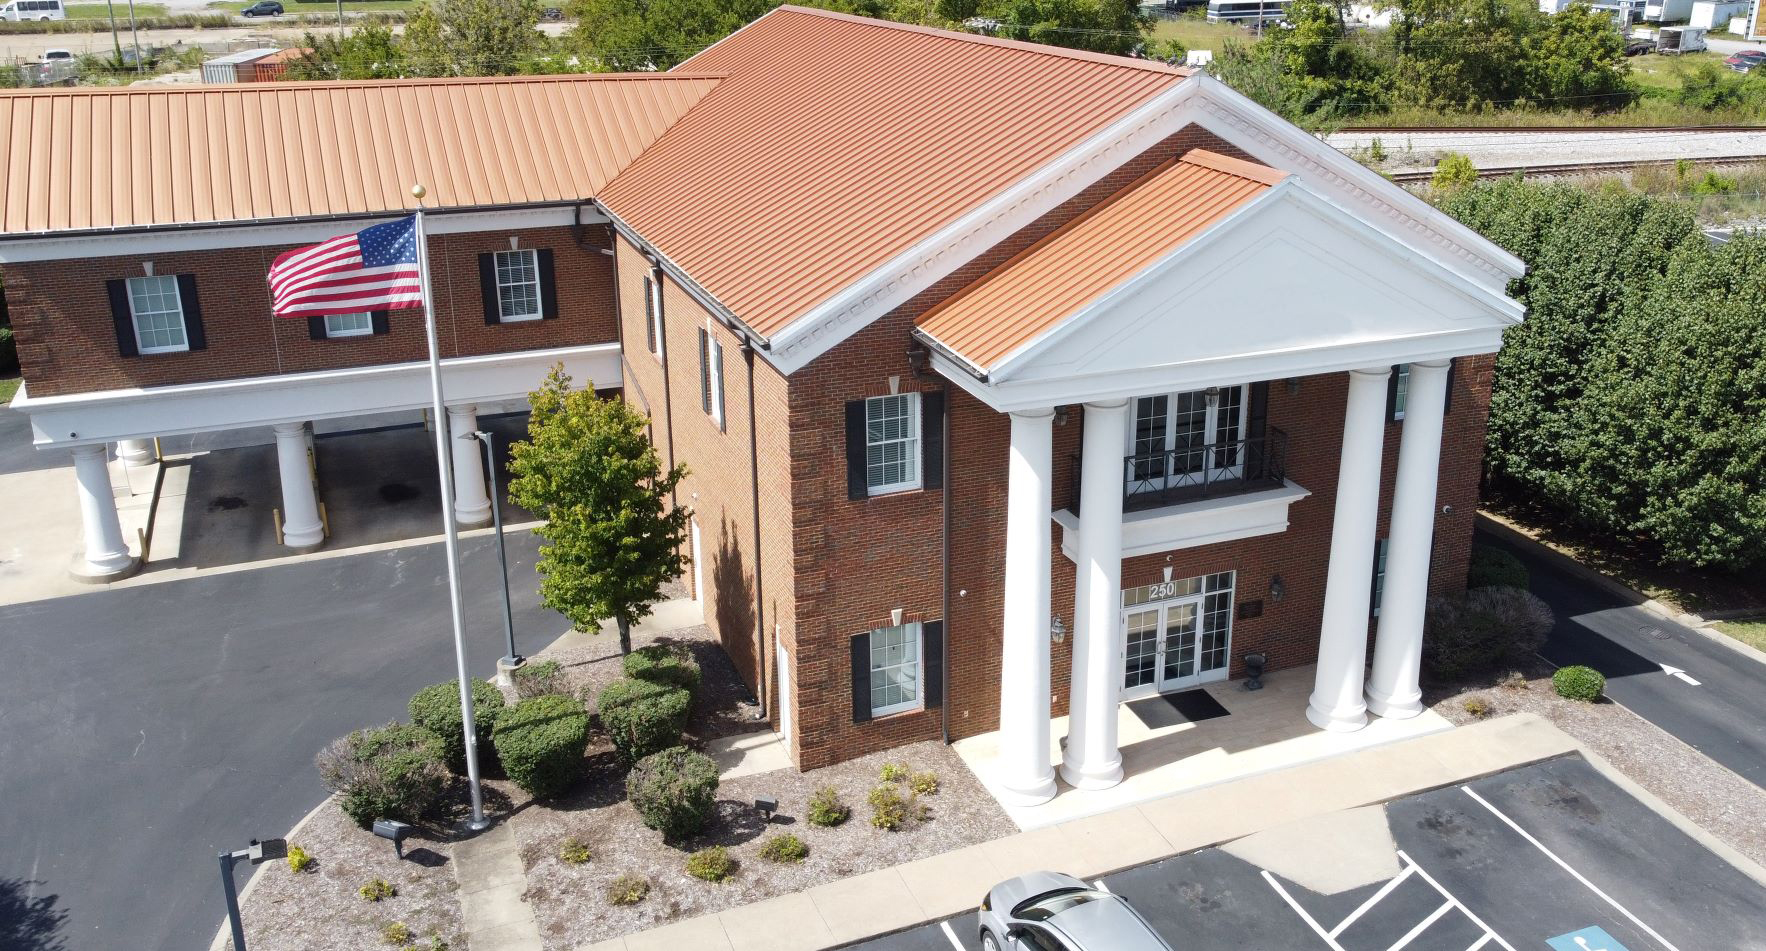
x=1198, y=471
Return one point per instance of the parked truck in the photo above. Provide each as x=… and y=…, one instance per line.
x=1680, y=39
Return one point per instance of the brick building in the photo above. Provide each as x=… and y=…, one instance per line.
x=1014, y=381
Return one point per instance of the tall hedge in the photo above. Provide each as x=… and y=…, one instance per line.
x=436, y=708
x=1628, y=402
x=541, y=742
x=643, y=717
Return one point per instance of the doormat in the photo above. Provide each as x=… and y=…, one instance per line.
x=1171, y=709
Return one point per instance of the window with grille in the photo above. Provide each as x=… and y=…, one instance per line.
x=892, y=443
x=518, y=285
x=711, y=377
x=158, y=312
x=349, y=325
x=895, y=669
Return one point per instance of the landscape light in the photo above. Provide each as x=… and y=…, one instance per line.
x=394, y=830
x=768, y=805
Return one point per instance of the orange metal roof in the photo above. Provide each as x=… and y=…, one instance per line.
x=135, y=157
x=837, y=142
x=1056, y=277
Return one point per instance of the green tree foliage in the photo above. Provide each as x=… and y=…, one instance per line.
x=1576, y=58
x=366, y=51
x=1104, y=26
x=1629, y=401
x=613, y=535
x=473, y=37
x=1309, y=67
x=1455, y=170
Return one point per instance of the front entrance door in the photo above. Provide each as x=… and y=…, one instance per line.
x=1179, y=642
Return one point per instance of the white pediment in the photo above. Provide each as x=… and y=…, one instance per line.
x=1288, y=286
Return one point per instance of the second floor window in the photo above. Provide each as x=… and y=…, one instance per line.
x=1400, y=390
x=158, y=312
x=1177, y=436
x=711, y=377
x=892, y=443
x=349, y=325
x=518, y=285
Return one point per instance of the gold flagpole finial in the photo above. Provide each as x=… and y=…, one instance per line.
x=418, y=191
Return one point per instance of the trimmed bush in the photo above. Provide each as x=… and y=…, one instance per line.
x=712, y=865
x=1494, y=567
x=1579, y=683
x=784, y=848
x=1482, y=629
x=377, y=889
x=827, y=809
x=436, y=708
x=541, y=742
x=391, y=772
x=627, y=890
x=664, y=664
x=538, y=679
x=674, y=791
x=574, y=852
x=299, y=859
x=643, y=717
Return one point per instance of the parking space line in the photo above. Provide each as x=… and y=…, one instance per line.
x=1489, y=932
x=1304, y=916
x=1423, y=925
x=1373, y=900
x=952, y=935
x=1475, y=945
x=1099, y=884
x=1664, y=942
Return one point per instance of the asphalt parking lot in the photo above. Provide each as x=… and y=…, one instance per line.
x=1550, y=856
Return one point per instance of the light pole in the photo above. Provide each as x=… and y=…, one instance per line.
x=511, y=660
x=260, y=852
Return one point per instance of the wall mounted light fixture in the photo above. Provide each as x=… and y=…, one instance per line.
x=1276, y=588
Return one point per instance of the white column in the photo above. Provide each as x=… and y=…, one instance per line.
x=1027, y=777
x=1092, y=760
x=106, y=555
x=300, y=505
x=1336, y=702
x=472, y=506
x=135, y=452
x=1398, y=649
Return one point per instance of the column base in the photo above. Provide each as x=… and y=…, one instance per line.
x=472, y=518
x=1101, y=776
x=1337, y=721
x=1033, y=794
x=1394, y=708
x=303, y=540
x=86, y=572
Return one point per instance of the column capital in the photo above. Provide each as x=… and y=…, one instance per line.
x=87, y=450
x=463, y=409
x=1381, y=372
x=1041, y=412
x=1430, y=364
x=1107, y=404
x=289, y=429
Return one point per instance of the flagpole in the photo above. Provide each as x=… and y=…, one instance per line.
x=443, y=459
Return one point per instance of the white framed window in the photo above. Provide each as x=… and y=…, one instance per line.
x=1187, y=438
x=158, y=312
x=711, y=376
x=518, y=285
x=349, y=325
x=892, y=443
x=895, y=669
x=1400, y=389
x=653, y=315
x=1379, y=573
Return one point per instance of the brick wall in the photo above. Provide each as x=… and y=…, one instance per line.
x=67, y=339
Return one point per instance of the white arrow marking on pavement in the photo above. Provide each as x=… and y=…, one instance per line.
x=1679, y=674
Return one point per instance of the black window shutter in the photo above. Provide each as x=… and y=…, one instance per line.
x=861, y=677
x=1373, y=582
x=122, y=317
x=856, y=483
x=377, y=319
x=717, y=350
x=487, y=288
x=548, y=287
x=1257, y=414
x=704, y=371
x=932, y=440
x=650, y=312
x=316, y=328
x=1392, y=394
x=193, y=331
x=932, y=663
x=1447, y=404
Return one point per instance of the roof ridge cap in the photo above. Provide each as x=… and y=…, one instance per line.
x=1042, y=49
x=1232, y=165
x=194, y=88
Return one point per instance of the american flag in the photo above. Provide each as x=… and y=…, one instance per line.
x=374, y=269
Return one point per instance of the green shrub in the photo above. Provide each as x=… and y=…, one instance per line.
x=643, y=717
x=1494, y=567
x=627, y=890
x=378, y=889
x=1483, y=628
x=538, y=679
x=1579, y=683
x=924, y=784
x=664, y=664
x=893, y=772
x=299, y=859
x=1454, y=171
x=891, y=810
x=541, y=741
x=713, y=864
x=1477, y=706
x=827, y=809
x=572, y=851
x=674, y=791
x=784, y=848
x=391, y=772
x=437, y=709
x=397, y=934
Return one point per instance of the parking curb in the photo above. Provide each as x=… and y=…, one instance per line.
x=1656, y=804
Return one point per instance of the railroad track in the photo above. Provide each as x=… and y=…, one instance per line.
x=1585, y=168
x=1511, y=130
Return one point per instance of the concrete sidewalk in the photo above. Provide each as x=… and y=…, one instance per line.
x=928, y=889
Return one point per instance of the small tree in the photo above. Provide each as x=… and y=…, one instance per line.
x=587, y=468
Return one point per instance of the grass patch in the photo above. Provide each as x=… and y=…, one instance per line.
x=1196, y=33
x=99, y=11
x=1751, y=633
x=8, y=387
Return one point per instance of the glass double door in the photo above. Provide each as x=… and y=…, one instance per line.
x=1167, y=648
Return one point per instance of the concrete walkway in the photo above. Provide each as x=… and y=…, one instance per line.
x=493, y=914
x=932, y=888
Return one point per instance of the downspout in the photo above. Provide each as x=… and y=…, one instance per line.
x=944, y=593
x=668, y=402
x=761, y=659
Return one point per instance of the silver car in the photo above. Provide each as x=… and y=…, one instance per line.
x=1050, y=911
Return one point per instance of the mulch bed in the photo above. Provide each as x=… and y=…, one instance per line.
x=1717, y=800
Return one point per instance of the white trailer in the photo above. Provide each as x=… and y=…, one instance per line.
x=1680, y=39
x=1715, y=14
x=1667, y=11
